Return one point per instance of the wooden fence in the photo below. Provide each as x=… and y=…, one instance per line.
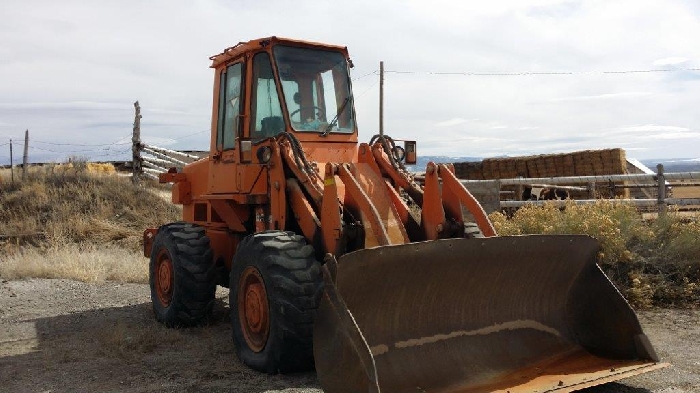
x=149, y=160
x=490, y=194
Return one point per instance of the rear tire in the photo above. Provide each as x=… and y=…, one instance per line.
x=182, y=275
x=275, y=289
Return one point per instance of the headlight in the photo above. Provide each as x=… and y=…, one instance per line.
x=399, y=153
x=264, y=154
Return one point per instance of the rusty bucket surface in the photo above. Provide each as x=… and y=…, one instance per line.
x=515, y=313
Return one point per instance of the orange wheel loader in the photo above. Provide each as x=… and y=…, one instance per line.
x=336, y=258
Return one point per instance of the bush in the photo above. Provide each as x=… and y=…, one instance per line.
x=71, y=223
x=655, y=262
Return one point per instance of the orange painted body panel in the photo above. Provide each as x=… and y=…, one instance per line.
x=277, y=189
x=331, y=219
x=223, y=245
x=323, y=152
x=303, y=212
x=433, y=212
x=455, y=196
x=376, y=189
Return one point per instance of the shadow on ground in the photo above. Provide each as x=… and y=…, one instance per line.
x=124, y=349
x=615, y=388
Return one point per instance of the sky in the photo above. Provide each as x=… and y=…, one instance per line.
x=464, y=78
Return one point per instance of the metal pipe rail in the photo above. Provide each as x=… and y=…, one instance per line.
x=592, y=179
x=568, y=188
x=659, y=180
x=635, y=202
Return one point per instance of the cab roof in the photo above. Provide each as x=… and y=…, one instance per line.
x=252, y=45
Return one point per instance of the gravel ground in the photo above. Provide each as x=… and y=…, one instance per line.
x=62, y=335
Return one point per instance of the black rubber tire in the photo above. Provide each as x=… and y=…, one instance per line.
x=472, y=231
x=293, y=283
x=194, y=285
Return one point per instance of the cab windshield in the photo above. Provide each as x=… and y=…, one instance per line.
x=316, y=89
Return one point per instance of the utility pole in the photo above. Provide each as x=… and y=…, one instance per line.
x=136, y=146
x=381, y=98
x=25, y=158
x=12, y=165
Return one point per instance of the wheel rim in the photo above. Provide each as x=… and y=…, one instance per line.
x=253, y=310
x=164, y=278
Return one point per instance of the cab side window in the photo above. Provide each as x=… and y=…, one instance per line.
x=230, y=95
x=267, y=112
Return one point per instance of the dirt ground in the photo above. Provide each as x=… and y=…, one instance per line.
x=61, y=335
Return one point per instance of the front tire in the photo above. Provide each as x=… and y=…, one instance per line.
x=275, y=288
x=472, y=231
x=182, y=275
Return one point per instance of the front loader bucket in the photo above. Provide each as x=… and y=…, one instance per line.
x=516, y=314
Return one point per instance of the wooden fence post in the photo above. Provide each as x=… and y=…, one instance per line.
x=25, y=157
x=136, y=146
x=591, y=190
x=520, y=191
x=661, y=182
x=12, y=165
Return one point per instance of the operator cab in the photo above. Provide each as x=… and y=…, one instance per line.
x=315, y=88
x=272, y=85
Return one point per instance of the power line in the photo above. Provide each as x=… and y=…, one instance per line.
x=64, y=151
x=188, y=135
x=367, y=89
x=117, y=142
x=81, y=144
x=533, y=73
x=367, y=74
x=111, y=154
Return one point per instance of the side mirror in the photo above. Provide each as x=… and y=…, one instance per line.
x=411, y=155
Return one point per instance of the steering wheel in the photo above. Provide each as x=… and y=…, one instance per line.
x=321, y=113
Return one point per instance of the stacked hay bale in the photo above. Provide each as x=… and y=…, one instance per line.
x=581, y=163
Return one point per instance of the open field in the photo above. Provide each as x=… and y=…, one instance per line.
x=62, y=335
x=686, y=192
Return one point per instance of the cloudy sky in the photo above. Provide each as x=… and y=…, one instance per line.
x=469, y=78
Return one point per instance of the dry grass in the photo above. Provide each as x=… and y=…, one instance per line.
x=78, y=207
x=71, y=222
x=653, y=262
x=88, y=263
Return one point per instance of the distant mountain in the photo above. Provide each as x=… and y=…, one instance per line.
x=424, y=160
x=674, y=164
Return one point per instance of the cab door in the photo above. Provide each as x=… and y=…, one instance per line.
x=229, y=119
